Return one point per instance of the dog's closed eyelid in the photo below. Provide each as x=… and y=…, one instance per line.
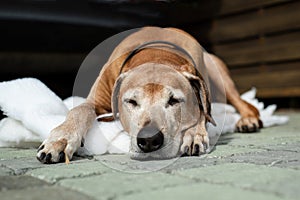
x=173, y=100
x=131, y=102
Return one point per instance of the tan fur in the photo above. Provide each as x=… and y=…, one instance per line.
x=245, y=109
x=101, y=91
x=99, y=100
x=153, y=91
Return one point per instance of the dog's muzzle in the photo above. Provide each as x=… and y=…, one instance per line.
x=150, y=138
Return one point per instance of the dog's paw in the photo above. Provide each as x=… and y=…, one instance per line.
x=194, y=145
x=59, y=147
x=248, y=125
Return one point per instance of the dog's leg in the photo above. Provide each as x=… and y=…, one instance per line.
x=195, y=140
x=65, y=139
x=249, y=121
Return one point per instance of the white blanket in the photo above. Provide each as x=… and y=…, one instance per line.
x=33, y=110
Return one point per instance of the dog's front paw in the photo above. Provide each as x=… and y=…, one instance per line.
x=248, y=125
x=194, y=145
x=59, y=147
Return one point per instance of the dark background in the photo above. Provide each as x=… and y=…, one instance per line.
x=259, y=40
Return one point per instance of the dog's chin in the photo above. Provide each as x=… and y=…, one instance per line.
x=167, y=151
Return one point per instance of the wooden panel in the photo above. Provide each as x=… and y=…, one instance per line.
x=281, y=67
x=182, y=12
x=269, y=80
x=270, y=83
x=270, y=49
x=274, y=19
x=278, y=92
x=234, y=6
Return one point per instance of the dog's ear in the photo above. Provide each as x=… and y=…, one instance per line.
x=115, y=95
x=200, y=88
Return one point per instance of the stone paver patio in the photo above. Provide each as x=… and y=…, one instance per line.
x=263, y=166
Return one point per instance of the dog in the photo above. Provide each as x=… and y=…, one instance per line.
x=151, y=83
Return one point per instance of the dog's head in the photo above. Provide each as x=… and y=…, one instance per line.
x=156, y=104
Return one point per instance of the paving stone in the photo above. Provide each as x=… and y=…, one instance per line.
x=260, y=140
x=110, y=185
x=19, y=182
x=285, y=134
x=21, y=165
x=276, y=181
x=224, y=150
x=123, y=163
x=45, y=193
x=291, y=146
x=200, y=191
x=5, y=171
x=194, y=162
x=243, y=166
x=269, y=158
x=53, y=173
x=13, y=153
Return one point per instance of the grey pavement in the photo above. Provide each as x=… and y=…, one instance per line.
x=264, y=165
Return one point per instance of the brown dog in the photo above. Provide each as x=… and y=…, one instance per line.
x=151, y=81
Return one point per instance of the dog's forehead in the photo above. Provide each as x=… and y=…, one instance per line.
x=152, y=89
x=154, y=76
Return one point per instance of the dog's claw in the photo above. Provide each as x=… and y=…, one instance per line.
x=196, y=150
x=245, y=128
x=42, y=156
x=61, y=157
x=186, y=151
x=48, y=158
x=41, y=148
x=45, y=158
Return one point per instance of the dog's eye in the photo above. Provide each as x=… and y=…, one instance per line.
x=172, y=101
x=132, y=102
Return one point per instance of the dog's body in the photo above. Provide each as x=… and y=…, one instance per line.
x=163, y=102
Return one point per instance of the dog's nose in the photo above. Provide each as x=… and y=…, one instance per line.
x=150, y=138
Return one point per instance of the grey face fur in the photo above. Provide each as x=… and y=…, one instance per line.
x=156, y=94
